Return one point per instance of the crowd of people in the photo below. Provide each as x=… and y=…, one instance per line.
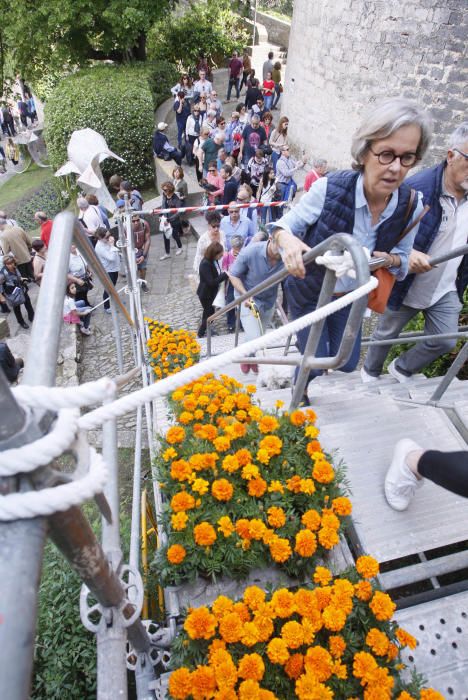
x=18, y=112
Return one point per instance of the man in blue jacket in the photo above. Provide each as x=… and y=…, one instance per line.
x=438, y=291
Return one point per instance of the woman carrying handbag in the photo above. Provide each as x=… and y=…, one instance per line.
x=14, y=289
x=171, y=201
x=211, y=276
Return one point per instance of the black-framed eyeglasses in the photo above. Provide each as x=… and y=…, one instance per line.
x=387, y=157
x=465, y=155
x=215, y=225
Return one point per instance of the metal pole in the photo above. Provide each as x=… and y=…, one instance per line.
x=117, y=337
x=456, y=365
x=135, y=531
x=22, y=542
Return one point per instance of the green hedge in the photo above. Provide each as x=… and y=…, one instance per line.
x=116, y=101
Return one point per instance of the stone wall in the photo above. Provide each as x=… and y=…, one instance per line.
x=346, y=54
x=278, y=31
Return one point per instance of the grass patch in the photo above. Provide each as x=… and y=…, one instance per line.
x=19, y=185
x=275, y=13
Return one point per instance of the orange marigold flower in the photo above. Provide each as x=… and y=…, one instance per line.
x=185, y=417
x=179, y=520
x=226, y=677
x=249, y=690
x=293, y=634
x=334, y=618
x=363, y=665
x=268, y=424
x=272, y=444
x=337, y=645
x=311, y=431
x=367, y=567
x=311, y=519
x=204, y=534
x=200, y=623
x=329, y=520
x=305, y=602
x=277, y=651
x=313, y=446
x=406, y=639
x=231, y=464
x=430, y=694
x=306, y=543
x=256, y=529
x=377, y=641
x=242, y=611
x=251, y=667
x=176, y=554
x=226, y=526
x=222, y=443
x=283, y=603
x=217, y=646
x=318, y=662
x=243, y=456
x=175, y=434
x=322, y=576
x=323, y=472
x=382, y=606
x=222, y=606
x=276, y=487
x=168, y=454
x=254, y=597
x=222, y=489
x=392, y=651
x=276, y=516
x=257, y=487
x=200, y=486
x=363, y=590
x=342, y=506
x=250, y=634
x=181, y=470
x=209, y=459
x=264, y=626
x=230, y=628
x=297, y=418
x=243, y=528
x=203, y=682
x=263, y=456
x=404, y=695
x=180, y=684
x=309, y=688
x=280, y=550
x=294, y=484
x=182, y=501
x=250, y=471
x=311, y=625
x=328, y=537
x=294, y=666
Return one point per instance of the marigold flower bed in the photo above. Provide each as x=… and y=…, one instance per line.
x=334, y=639
x=244, y=488
x=170, y=350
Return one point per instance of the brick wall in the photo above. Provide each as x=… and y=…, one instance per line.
x=345, y=54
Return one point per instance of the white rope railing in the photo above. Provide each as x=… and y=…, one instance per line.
x=69, y=425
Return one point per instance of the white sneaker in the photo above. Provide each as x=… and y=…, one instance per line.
x=400, y=482
x=165, y=256
x=179, y=251
x=399, y=376
x=85, y=331
x=367, y=378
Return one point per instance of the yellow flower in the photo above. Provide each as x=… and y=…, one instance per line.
x=256, y=529
x=222, y=444
x=169, y=454
x=222, y=606
x=250, y=471
x=323, y=472
x=200, y=624
x=231, y=464
x=293, y=634
x=250, y=634
x=363, y=590
x=306, y=544
x=176, y=554
x=204, y=534
x=334, y=618
x=200, y=486
x=179, y=520
x=382, y=606
x=322, y=576
x=222, y=490
x=406, y=639
x=276, y=517
x=268, y=424
x=328, y=538
x=311, y=431
x=277, y=651
x=276, y=487
x=311, y=520
x=279, y=404
x=283, y=603
x=377, y=641
x=367, y=567
x=175, y=434
x=251, y=667
x=230, y=628
x=180, y=684
x=280, y=550
x=249, y=690
x=309, y=688
x=307, y=486
x=342, y=506
x=225, y=526
x=253, y=597
x=182, y=501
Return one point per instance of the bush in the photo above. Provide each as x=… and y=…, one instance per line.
x=212, y=29
x=47, y=197
x=117, y=102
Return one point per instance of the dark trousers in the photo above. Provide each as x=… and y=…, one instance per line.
x=231, y=315
x=233, y=82
x=245, y=75
x=180, y=134
x=330, y=338
x=447, y=469
x=175, y=235
x=208, y=310
x=190, y=140
x=27, y=306
x=26, y=270
x=114, y=277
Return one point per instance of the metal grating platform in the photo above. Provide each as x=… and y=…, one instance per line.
x=441, y=627
x=436, y=517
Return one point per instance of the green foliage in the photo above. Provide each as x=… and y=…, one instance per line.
x=279, y=7
x=439, y=367
x=47, y=197
x=116, y=102
x=53, y=35
x=161, y=75
x=211, y=28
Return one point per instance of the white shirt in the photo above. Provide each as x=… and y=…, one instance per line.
x=203, y=87
x=77, y=265
x=108, y=256
x=429, y=287
x=92, y=218
x=68, y=305
x=203, y=243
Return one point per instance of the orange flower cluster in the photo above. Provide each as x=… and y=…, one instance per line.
x=170, y=350
x=321, y=642
x=224, y=457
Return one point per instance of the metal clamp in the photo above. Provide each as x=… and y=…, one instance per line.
x=157, y=656
x=134, y=585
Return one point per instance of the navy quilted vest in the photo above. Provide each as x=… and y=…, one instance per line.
x=338, y=217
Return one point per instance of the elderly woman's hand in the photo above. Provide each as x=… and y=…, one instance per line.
x=291, y=250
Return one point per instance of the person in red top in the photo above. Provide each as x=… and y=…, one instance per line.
x=268, y=91
x=319, y=170
x=40, y=217
x=235, y=70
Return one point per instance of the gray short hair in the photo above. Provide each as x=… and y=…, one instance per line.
x=320, y=163
x=458, y=137
x=237, y=242
x=384, y=119
x=82, y=203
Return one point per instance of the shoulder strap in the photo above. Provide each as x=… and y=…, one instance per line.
x=409, y=208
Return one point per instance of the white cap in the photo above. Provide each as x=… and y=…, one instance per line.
x=162, y=126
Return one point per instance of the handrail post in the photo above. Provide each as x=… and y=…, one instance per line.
x=456, y=365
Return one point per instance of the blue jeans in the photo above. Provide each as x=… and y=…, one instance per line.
x=274, y=159
x=180, y=134
x=85, y=320
x=286, y=189
x=269, y=214
x=268, y=102
x=277, y=95
x=441, y=317
x=233, y=82
x=331, y=337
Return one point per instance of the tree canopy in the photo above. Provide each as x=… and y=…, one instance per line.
x=52, y=35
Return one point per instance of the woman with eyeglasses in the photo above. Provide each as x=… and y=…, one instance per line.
x=215, y=184
x=171, y=201
x=192, y=132
x=370, y=202
x=184, y=85
x=278, y=139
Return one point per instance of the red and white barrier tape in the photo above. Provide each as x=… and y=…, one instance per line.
x=216, y=207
